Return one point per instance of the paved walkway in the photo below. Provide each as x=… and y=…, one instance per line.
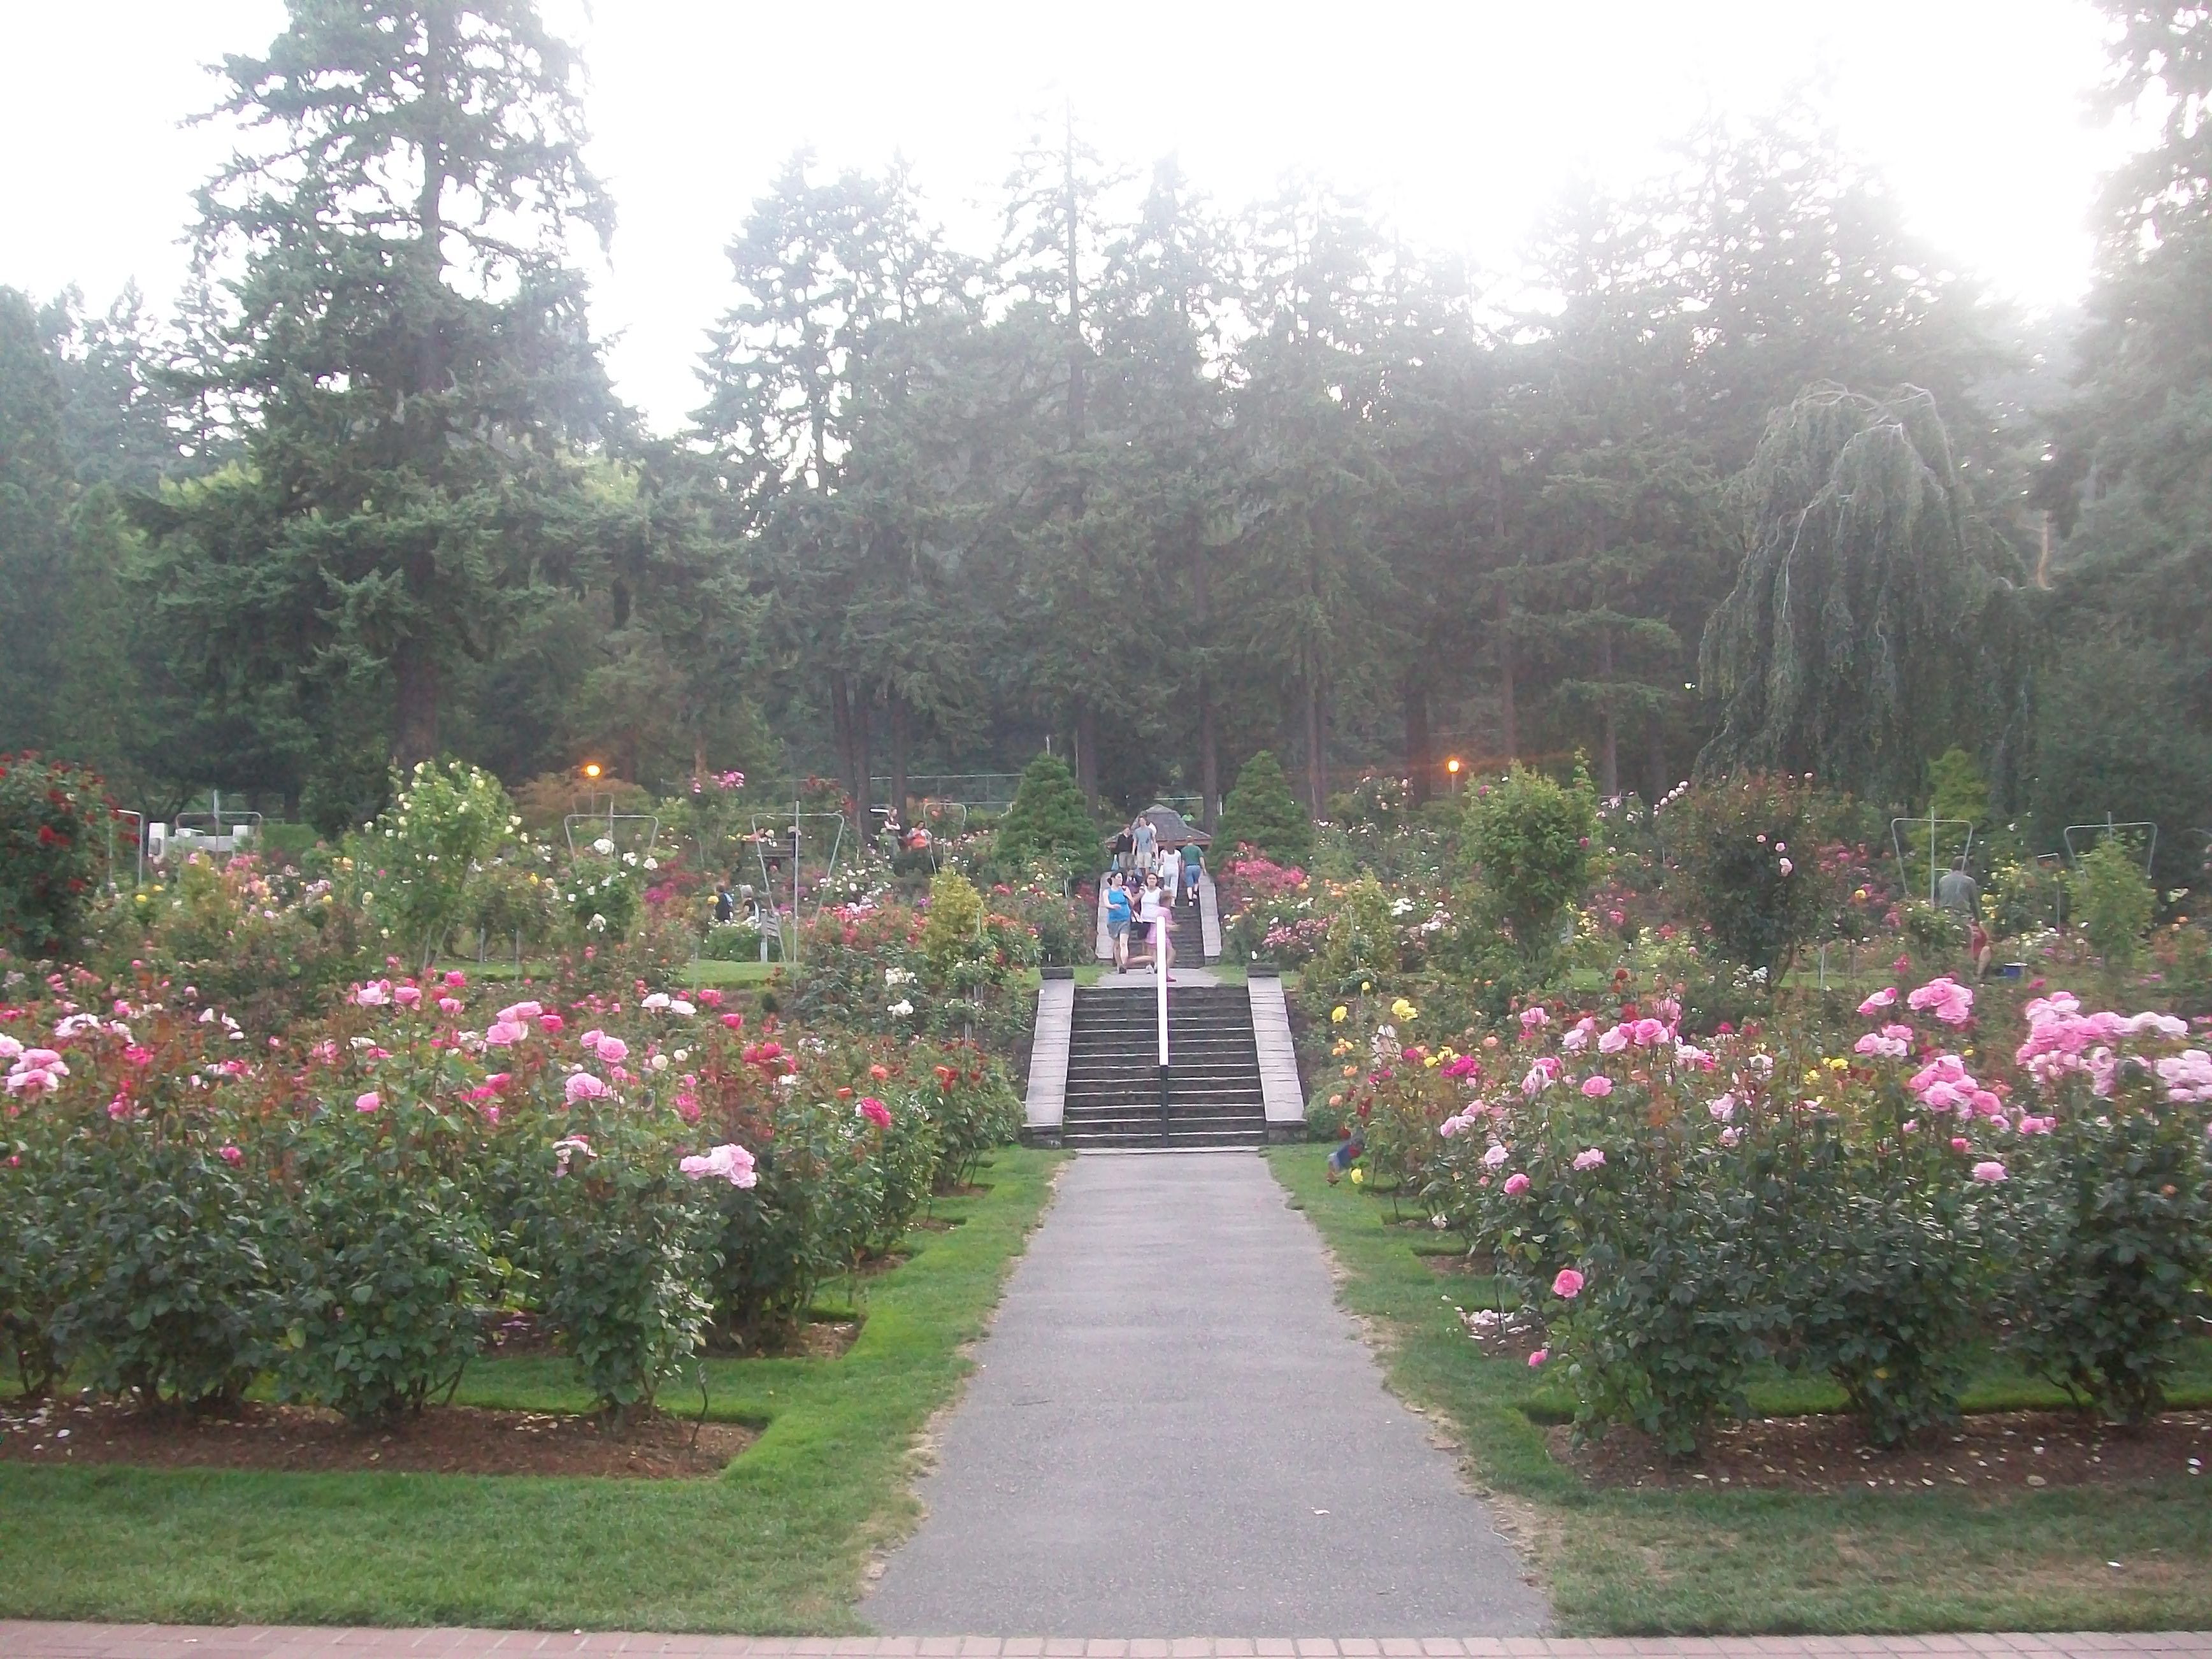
x=1175, y=1428
x=36, y=1641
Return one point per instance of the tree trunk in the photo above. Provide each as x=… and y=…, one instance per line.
x=1316, y=750
x=1420, y=755
x=1086, y=752
x=1608, y=763
x=863, y=785
x=1209, y=740
x=1508, y=717
x=840, y=717
x=415, y=672
x=1209, y=760
x=1072, y=208
x=1655, y=752
x=898, y=758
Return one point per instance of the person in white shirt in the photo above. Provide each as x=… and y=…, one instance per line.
x=1158, y=910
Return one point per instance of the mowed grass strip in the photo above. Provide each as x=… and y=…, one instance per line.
x=774, y=1545
x=1721, y=1563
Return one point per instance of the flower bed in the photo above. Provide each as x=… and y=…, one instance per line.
x=1678, y=1213
x=185, y=1209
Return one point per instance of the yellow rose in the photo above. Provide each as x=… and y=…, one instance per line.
x=1358, y=1177
x=1338, y=1014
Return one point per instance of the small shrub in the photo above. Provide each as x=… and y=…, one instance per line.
x=617, y=1245
x=2113, y=1211
x=444, y=819
x=2113, y=902
x=1744, y=847
x=1532, y=838
x=381, y=1255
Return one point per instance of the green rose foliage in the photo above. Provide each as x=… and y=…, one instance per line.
x=1361, y=945
x=33, y=1282
x=1261, y=812
x=1531, y=837
x=53, y=845
x=1730, y=839
x=618, y=1246
x=2113, y=902
x=2113, y=1215
x=383, y=1250
x=165, y=1258
x=445, y=820
x=816, y=1202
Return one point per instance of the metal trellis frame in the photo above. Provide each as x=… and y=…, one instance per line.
x=1935, y=859
x=2108, y=827
x=771, y=832
x=651, y=820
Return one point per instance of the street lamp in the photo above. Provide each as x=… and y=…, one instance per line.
x=592, y=769
x=1451, y=766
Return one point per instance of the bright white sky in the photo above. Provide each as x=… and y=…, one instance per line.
x=1458, y=117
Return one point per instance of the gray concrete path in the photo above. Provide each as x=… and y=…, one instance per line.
x=27, y=1639
x=1175, y=1428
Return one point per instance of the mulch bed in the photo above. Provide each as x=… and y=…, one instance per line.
x=444, y=1440
x=2015, y=1450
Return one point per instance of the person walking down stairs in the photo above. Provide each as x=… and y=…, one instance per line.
x=1157, y=913
x=1117, y=919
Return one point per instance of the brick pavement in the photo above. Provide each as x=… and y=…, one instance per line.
x=24, y=1639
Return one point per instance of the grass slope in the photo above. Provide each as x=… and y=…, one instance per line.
x=1723, y=1562
x=774, y=1545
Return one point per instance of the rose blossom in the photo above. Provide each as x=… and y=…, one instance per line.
x=1568, y=1284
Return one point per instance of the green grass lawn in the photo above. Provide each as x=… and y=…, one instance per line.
x=774, y=1545
x=1677, y=1563
x=701, y=972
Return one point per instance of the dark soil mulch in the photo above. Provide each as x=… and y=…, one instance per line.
x=444, y=1440
x=818, y=1339
x=2010, y=1449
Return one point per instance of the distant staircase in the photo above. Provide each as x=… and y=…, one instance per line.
x=1112, y=1094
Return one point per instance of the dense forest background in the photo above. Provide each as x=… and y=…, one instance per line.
x=1734, y=468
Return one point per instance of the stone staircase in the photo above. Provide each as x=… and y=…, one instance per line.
x=1113, y=1092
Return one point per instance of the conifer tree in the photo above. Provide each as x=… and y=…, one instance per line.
x=1261, y=812
x=409, y=340
x=1048, y=821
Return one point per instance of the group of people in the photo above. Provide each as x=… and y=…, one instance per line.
x=1145, y=883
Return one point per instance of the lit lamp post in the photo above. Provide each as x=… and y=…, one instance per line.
x=592, y=769
x=1451, y=767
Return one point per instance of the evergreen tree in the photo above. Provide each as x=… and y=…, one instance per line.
x=1877, y=621
x=1049, y=822
x=1261, y=812
x=2131, y=479
x=410, y=342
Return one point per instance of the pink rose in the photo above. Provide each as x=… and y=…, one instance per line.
x=582, y=1085
x=551, y=1023
x=1597, y=1087
x=368, y=1102
x=1590, y=1157
x=1516, y=1183
x=1539, y=1356
x=876, y=1112
x=408, y=996
x=231, y=1156
x=1989, y=1169
x=1568, y=1284
x=613, y=1050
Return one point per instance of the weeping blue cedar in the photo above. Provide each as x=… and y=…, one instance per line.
x=1877, y=619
